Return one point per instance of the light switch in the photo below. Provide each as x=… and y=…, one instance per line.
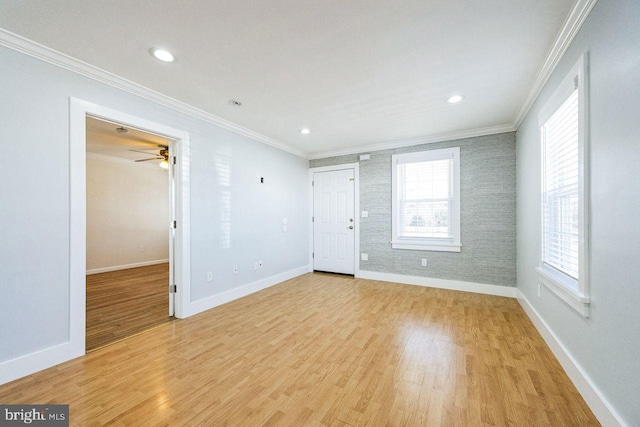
x=364, y=257
x=365, y=214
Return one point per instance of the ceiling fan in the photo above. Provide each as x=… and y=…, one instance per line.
x=163, y=155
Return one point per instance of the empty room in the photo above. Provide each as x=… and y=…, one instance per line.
x=336, y=213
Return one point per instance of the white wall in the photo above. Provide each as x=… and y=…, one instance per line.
x=234, y=221
x=607, y=344
x=127, y=208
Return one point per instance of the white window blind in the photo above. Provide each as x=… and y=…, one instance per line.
x=424, y=197
x=564, y=136
x=560, y=189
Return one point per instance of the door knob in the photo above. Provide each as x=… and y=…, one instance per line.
x=351, y=227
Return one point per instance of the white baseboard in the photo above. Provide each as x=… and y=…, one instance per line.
x=126, y=266
x=455, y=285
x=232, y=294
x=37, y=361
x=594, y=398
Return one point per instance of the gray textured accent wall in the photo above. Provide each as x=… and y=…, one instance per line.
x=488, y=213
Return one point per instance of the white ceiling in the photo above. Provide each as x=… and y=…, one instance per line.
x=104, y=140
x=356, y=72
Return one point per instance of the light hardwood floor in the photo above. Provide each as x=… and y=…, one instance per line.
x=323, y=350
x=125, y=302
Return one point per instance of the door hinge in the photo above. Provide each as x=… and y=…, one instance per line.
x=313, y=219
x=175, y=224
x=313, y=254
x=312, y=183
x=173, y=289
x=174, y=160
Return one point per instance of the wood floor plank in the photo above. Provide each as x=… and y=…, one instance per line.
x=126, y=302
x=322, y=350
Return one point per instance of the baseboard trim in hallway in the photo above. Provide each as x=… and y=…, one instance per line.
x=600, y=406
x=430, y=282
x=126, y=266
x=205, y=304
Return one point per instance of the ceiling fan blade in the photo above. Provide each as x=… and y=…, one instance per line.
x=143, y=152
x=146, y=160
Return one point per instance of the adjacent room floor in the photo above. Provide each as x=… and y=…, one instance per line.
x=125, y=302
x=323, y=350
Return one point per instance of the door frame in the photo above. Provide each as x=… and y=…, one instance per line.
x=78, y=111
x=356, y=211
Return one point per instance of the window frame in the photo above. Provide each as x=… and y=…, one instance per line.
x=427, y=244
x=574, y=292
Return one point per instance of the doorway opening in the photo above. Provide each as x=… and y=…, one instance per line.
x=130, y=235
x=179, y=161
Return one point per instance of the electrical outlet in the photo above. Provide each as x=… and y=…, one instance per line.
x=364, y=257
x=255, y=265
x=141, y=248
x=235, y=269
x=424, y=262
x=539, y=287
x=209, y=276
x=259, y=264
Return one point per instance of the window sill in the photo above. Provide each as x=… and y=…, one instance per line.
x=559, y=285
x=448, y=247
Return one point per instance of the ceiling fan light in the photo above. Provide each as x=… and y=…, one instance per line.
x=164, y=164
x=162, y=54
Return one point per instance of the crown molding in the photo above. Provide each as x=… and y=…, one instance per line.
x=492, y=130
x=51, y=56
x=572, y=25
x=127, y=162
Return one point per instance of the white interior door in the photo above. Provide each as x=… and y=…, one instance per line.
x=334, y=221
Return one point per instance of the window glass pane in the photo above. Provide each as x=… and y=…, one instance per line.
x=424, y=196
x=560, y=199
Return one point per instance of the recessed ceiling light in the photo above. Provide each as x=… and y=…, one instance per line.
x=161, y=54
x=455, y=99
x=305, y=131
